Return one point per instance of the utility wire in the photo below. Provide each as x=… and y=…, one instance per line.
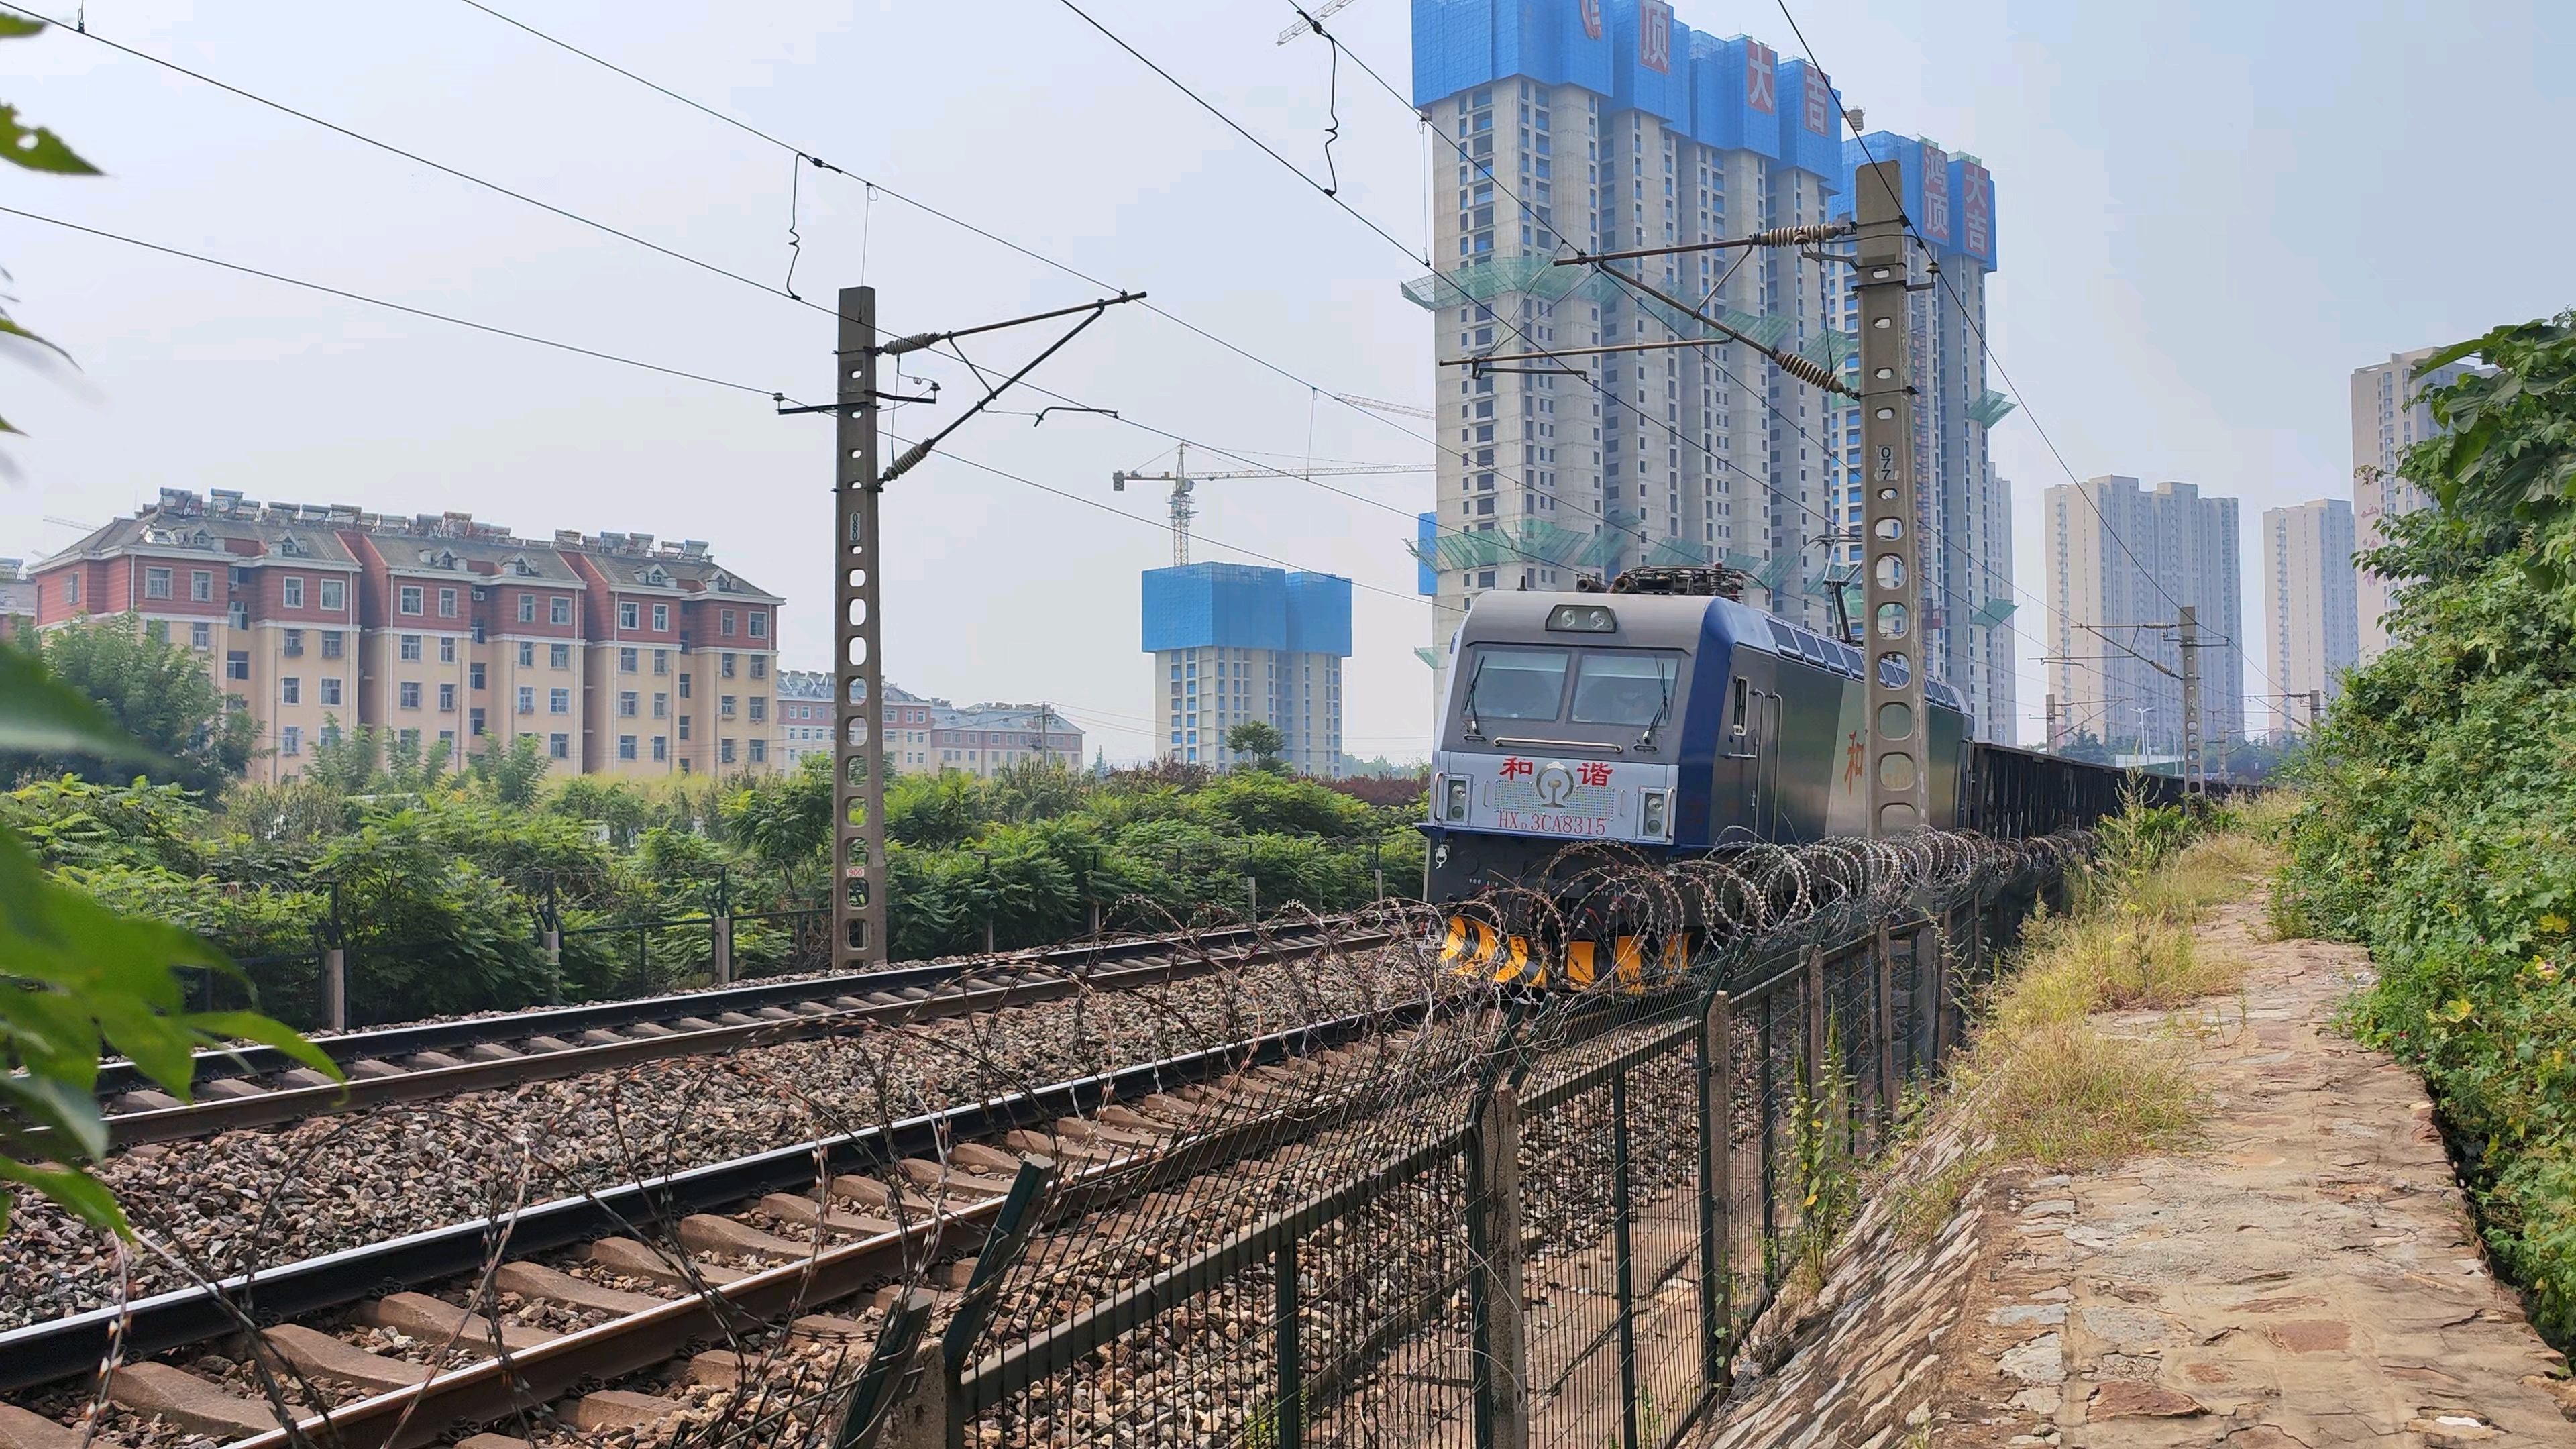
x=390, y=305
x=796, y=163
x=1232, y=125
x=1986, y=349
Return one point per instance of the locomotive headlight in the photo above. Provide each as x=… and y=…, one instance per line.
x=1655, y=814
x=1453, y=800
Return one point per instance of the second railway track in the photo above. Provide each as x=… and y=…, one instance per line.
x=259, y=1086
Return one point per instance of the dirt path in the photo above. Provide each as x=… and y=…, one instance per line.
x=2304, y=1277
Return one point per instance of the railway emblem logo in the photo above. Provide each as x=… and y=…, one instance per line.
x=1591, y=19
x=1555, y=784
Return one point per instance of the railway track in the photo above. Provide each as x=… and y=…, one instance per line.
x=751, y=1255
x=260, y=1086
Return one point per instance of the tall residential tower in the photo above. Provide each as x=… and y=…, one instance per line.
x=1568, y=126
x=2389, y=416
x=1239, y=644
x=2120, y=556
x=2308, y=579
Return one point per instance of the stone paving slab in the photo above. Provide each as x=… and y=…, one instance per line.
x=2305, y=1276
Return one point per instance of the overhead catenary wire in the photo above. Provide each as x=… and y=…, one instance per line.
x=390, y=305
x=606, y=356
x=798, y=160
x=1986, y=348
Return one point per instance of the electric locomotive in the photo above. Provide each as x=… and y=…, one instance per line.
x=1652, y=726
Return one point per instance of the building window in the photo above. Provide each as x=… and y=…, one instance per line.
x=559, y=656
x=527, y=655
x=201, y=636
x=201, y=585
x=334, y=644
x=760, y=752
x=293, y=648
x=724, y=707
x=558, y=701
x=474, y=721
x=290, y=740
x=447, y=603
x=759, y=710
x=661, y=705
x=527, y=608
x=760, y=666
x=474, y=675
x=724, y=752
x=684, y=684
x=409, y=648
x=410, y=738
x=626, y=661
x=236, y=664
x=71, y=588
x=411, y=595
x=661, y=661
x=725, y=666
x=156, y=583
x=331, y=689
x=628, y=614
x=410, y=694
x=661, y=617
x=684, y=727
x=661, y=747
x=290, y=690
x=724, y=622
x=759, y=624
x=626, y=704
x=559, y=746
x=559, y=610
x=527, y=700
x=447, y=699
x=335, y=593
x=626, y=747
x=447, y=650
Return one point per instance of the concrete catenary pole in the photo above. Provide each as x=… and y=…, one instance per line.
x=2195, y=778
x=858, y=665
x=1898, y=795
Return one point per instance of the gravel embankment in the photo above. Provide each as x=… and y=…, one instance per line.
x=265, y=1197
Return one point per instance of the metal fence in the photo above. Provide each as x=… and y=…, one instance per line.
x=1510, y=1217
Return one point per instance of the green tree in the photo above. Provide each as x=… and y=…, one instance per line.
x=509, y=772
x=78, y=981
x=156, y=691
x=2438, y=815
x=1258, y=738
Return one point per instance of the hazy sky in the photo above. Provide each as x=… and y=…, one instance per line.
x=2208, y=215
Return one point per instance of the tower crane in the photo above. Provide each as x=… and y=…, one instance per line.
x=1184, y=481
x=1329, y=7
x=1376, y=406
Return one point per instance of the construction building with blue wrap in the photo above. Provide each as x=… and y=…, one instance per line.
x=1239, y=644
x=1570, y=127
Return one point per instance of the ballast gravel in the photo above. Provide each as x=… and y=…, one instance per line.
x=224, y=1205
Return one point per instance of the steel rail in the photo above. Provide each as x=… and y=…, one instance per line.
x=71, y=1346
x=117, y=1076
x=225, y=1114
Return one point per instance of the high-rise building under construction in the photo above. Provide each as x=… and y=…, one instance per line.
x=1591, y=126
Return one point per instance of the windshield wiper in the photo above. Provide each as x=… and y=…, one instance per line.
x=1475, y=728
x=1646, y=741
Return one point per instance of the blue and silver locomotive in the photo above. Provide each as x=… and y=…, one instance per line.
x=1680, y=723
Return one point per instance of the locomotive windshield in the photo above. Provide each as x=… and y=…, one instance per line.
x=1516, y=684
x=1625, y=689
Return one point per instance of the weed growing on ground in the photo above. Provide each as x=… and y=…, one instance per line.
x=2041, y=1083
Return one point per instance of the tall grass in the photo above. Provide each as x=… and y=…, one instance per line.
x=2041, y=1082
